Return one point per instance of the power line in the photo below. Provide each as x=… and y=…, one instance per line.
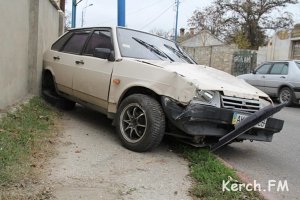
x=143, y=8
x=163, y=12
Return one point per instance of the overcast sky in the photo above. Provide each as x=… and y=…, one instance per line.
x=146, y=15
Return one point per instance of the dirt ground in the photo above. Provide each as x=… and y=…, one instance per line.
x=91, y=164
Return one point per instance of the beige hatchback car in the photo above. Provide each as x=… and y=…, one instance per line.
x=150, y=88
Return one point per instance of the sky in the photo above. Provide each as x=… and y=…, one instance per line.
x=146, y=15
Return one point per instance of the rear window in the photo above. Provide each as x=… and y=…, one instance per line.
x=280, y=69
x=58, y=45
x=76, y=42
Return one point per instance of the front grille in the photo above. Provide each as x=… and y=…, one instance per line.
x=246, y=105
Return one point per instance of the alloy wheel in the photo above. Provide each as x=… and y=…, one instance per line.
x=133, y=121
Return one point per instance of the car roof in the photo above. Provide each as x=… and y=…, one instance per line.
x=282, y=61
x=114, y=27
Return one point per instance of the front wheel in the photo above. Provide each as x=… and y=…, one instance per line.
x=140, y=123
x=286, y=95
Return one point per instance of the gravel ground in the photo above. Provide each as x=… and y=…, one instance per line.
x=91, y=164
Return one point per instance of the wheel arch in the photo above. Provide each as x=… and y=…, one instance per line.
x=138, y=90
x=49, y=72
x=283, y=86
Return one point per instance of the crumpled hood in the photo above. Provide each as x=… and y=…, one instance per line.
x=208, y=78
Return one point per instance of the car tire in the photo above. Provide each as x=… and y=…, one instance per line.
x=286, y=95
x=50, y=95
x=140, y=123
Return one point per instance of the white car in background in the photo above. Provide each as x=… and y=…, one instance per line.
x=279, y=79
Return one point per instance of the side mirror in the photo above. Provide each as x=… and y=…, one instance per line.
x=104, y=53
x=253, y=72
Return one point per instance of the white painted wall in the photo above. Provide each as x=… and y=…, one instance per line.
x=277, y=49
x=27, y=28
x=14, y=34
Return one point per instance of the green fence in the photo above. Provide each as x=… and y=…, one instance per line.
x=244, y=62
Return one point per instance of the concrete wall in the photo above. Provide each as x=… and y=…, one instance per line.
x=278, y=48
x=27, y=28
x=219, y=57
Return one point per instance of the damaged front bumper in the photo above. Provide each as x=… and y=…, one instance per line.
x=209, y=121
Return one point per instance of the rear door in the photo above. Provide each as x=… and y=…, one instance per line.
x=92, y=75
x=64, y=54
x=277, y=77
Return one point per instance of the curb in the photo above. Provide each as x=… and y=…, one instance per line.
x=244, y=178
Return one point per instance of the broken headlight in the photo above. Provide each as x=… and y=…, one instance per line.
x=207, y=97
x=264, y=103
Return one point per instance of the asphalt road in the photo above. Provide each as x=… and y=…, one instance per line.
x=278, y=160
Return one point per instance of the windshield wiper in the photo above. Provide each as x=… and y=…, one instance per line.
x=153, y=49
x=179, y=54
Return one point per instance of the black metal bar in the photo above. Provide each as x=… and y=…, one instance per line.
x=247, y=124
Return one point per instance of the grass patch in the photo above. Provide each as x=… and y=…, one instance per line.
x=23, y=134
x=209, y=173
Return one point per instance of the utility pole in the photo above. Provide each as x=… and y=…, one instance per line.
x=121, y=12
x=74, y=6
x=82, y=13
x=176, y=23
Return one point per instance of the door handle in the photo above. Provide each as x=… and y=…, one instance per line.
x=263, y=77
x=56, y=58
x=282, y=76
x=79, y=62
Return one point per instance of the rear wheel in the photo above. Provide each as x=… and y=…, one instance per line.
x=49, y=93
x=140, y=123
x=286, y=95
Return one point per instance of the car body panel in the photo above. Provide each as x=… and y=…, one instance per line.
x=133, y=73
x=208, y=78
x=91, y=80
x=61, y=68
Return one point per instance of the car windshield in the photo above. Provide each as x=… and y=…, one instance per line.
x=298, y=64
x=136, y=44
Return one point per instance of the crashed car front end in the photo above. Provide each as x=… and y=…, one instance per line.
x=211, y=115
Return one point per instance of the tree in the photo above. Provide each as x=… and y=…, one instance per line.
x=161, y=33
x=231, y=19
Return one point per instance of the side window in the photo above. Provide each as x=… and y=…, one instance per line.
x=76, y=42
x=57, y=46
x=99, y=39
x=279, y=69
x=264, y=69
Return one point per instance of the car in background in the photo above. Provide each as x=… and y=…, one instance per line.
x=278, y=79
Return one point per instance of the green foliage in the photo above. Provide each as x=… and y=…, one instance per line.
x=224, y=18
x=209, y=173
x=21, y=133
x=241, y=40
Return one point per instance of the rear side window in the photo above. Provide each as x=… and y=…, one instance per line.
x=264, y=69
x=58, y=45
x=76, y=42
x=280, y=69
x=99, y=39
